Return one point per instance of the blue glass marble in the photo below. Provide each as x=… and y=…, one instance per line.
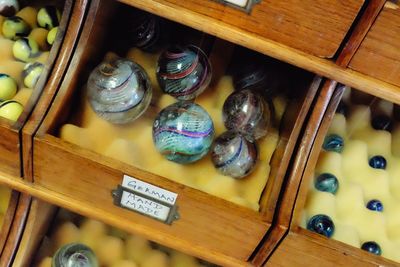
x=183, y=72
x=382, y=122
x=321, y=224
x=372, y=247
x=119, y=91
x=377, y=162
x=375, y=205
x=246, y=111
x=74, y=255
x=327, y=182
x=183, y=132
x=333, y=142
x=234, y=154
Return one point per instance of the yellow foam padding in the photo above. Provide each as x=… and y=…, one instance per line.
x=40, y=36
x=360, y=183
x=124, y=263
x=29, y=14
x=109, y=250
x=46, y=262
x=156, y=258
x=179, y=259
x=65, y=234
x=137, y=248
x=6, y=49
x=13, y=69
x=92, y=232
x=129, y=143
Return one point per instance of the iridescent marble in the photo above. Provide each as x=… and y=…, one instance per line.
x=382, y=122
x=183, y=132
x=327, y=182
x=31, y=73
x=119, y=91
x=377, y=162
x=375, y=205
x=183, y=72
x=145, y=31
x=49, y=17
x=234, y=154
x=372, y=247
x=321, y=224
x=8, y=7
x=246, y=111
x=74, y=255
x=15, y=27
x=333, y=142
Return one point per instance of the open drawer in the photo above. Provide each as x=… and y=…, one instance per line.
x=379, y=53
x=28, y=63
x=48, y=229
x=82, y=156
x=292, y=23
x=349, y=191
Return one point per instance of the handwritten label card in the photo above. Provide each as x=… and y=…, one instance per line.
x=147, y=199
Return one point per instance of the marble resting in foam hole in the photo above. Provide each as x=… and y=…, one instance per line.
x=359, y=183
x=133, y=143
x=9, y=65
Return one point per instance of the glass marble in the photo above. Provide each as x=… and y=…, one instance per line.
x=321, y=224
x=31, y=74
x=327, y=182
x=49, y=17
x=246, y=111
x=119, y=91
x=382, y=122
x=74, y=255
x=372, y=247
x=375, y=205
x=183, y=132
x=8, y=87
x=378, y=162
x=8, y=7
x=145, y=31
x=333, y=142
x=11, y=110
x=15, y=27
x=183, y=72
x=25, y=49
x=234, y=154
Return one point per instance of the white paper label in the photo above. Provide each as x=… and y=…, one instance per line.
x=241, y=3
x=149, y=190
x=145, y=206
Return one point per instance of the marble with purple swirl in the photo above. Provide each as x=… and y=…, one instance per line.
x=183, y=72
x=119, y=91
x=246, y=111
x=234, y=154
x=183, y=132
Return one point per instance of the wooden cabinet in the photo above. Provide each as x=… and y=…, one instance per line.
x=319, y=39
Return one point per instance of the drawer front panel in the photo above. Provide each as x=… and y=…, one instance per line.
x=379, y=54
x=316, y=27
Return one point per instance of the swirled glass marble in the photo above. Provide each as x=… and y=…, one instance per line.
x=333, y=142
x=119, y=91
x=234, y=154
x=375, y=205
x=15, y=27
x=321, y=224
x=246, y=111
x=382, y=122
x=183, y=72
x=327, y=182
x=372, y=247
x=377, y=162
x=74, y=255
x=145, y=31
x=8, y=7
x=183, y=132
